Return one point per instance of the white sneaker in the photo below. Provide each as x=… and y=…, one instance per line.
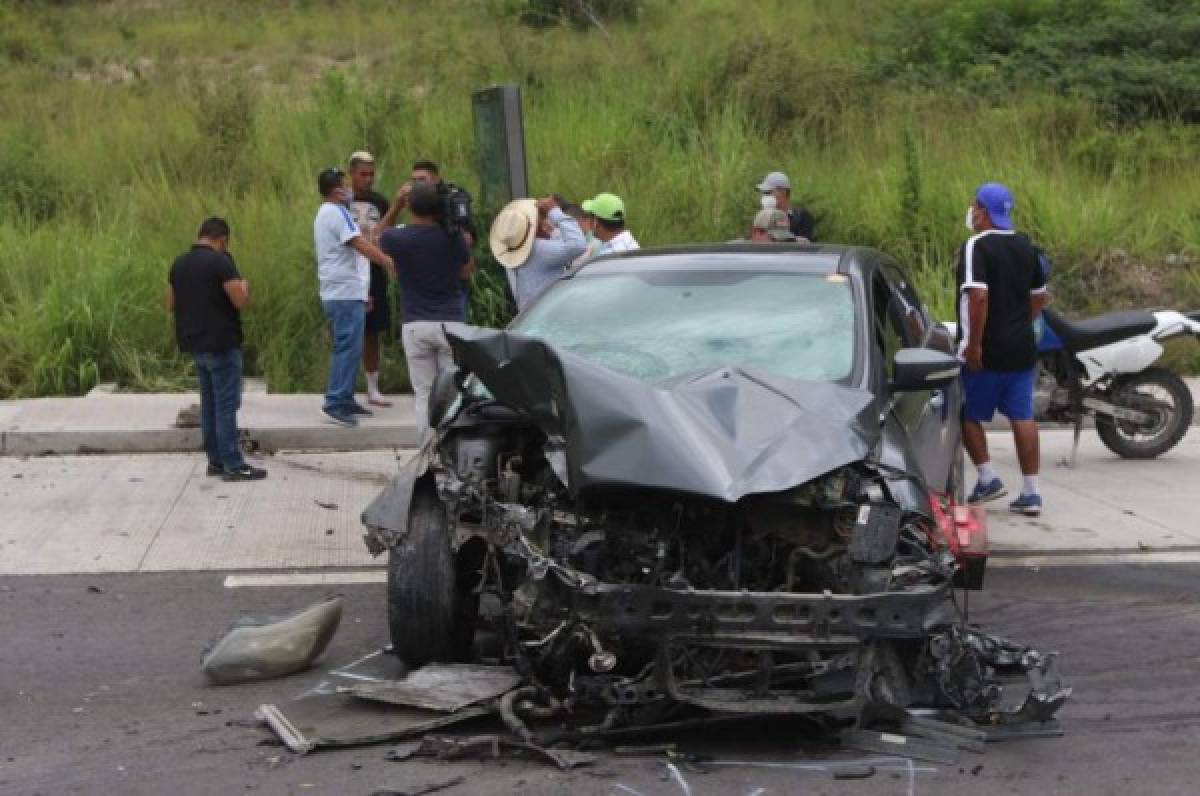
x=377, y=399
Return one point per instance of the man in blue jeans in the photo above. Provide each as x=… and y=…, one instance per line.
x=206, y=293
x=343, y=271
x=1001, y=289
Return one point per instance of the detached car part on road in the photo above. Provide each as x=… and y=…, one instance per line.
x=721, y=479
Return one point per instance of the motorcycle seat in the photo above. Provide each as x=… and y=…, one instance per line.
x=1101, y=330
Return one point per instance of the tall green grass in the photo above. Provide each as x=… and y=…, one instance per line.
x=123, y=125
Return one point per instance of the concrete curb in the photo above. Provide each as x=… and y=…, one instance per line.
x=266, y=440
x=123, y=423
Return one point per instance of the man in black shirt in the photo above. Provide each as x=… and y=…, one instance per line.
x=206, y=292
x=1001, y=289
x=369, y=208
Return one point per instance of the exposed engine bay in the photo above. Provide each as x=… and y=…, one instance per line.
x=625, y=605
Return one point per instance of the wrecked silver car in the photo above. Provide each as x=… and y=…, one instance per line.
x=723, y=479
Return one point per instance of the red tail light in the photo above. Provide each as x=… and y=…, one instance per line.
x=963, y=529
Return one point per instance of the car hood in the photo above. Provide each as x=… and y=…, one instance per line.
x=722, y=433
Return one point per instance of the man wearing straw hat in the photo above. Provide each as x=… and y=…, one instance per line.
x=522, y=240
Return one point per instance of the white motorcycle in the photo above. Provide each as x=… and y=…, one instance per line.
x=1104, y=367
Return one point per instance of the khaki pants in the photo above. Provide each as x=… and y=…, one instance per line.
x=427, y=353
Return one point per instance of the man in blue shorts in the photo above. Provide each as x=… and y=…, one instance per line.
x=1001, y=289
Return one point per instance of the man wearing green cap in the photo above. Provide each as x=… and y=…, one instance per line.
x=609, y=211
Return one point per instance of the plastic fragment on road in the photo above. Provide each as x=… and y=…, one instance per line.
x=261, y=649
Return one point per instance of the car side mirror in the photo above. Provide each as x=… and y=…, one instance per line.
x=922, y=369
x=442, y=394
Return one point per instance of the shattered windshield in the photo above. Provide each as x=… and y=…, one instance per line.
x=655, y=325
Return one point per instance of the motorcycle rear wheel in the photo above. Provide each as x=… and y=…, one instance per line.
x=1158, y=392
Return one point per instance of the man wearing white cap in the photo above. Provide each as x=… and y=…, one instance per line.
x=776, y=190
x=522, y=241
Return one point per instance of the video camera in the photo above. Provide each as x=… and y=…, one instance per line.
x=456, y=207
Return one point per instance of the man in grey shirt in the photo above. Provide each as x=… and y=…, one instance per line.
x=523, y=240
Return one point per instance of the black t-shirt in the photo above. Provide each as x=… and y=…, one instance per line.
x=369, y=210
x=205, y=319
x=428, y=262
x=802, y=223
x=1006, y=265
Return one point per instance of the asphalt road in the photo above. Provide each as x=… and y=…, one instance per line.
x=101, y=692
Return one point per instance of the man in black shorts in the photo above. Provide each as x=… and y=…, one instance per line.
x=368, y=208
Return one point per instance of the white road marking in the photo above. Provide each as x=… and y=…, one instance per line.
x=1095, y=559
x=306, y=578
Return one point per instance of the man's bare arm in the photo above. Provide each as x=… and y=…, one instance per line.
x=170, y=298
x=238, y=291
x=977, y=301
x=399, y=202
x=372, y=253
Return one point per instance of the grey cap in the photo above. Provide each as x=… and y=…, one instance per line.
x=774, y=180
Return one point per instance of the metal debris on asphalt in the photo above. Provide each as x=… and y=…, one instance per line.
x=445, y=747
x=338, y=720
x=445, y=687
x=421, y=790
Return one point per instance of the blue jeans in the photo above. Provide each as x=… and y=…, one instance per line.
x=346, y=322
x=220, y=377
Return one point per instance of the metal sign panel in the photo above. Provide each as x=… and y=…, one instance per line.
x=500, y=141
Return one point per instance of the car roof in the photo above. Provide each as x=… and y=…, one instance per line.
x=805, y=258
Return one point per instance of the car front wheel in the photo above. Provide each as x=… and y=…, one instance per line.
x=422, y=587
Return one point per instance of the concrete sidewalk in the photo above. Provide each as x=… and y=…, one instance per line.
x=158, y=512
x=145, y=423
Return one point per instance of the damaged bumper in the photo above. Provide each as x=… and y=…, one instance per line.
x=764, y=618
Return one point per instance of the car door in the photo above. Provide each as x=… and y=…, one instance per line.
x=929, y=417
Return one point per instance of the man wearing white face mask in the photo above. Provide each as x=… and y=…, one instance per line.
x=1001, y=289
x=344, y=280
x=776, y=191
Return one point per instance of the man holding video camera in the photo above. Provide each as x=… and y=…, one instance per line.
x=432, y=263
x=425, y=172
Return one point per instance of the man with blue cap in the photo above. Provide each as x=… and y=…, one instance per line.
x=1001, y=289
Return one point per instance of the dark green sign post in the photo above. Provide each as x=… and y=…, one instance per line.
x=500, y=140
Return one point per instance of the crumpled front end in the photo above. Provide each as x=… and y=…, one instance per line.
x=723, y=544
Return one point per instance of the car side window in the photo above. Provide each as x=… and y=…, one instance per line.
x=890, y=334
x=917, y=323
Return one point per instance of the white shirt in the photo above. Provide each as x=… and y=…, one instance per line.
x=342, y=273
x=621, y=243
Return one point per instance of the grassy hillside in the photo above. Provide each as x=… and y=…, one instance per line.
x=123, y=124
